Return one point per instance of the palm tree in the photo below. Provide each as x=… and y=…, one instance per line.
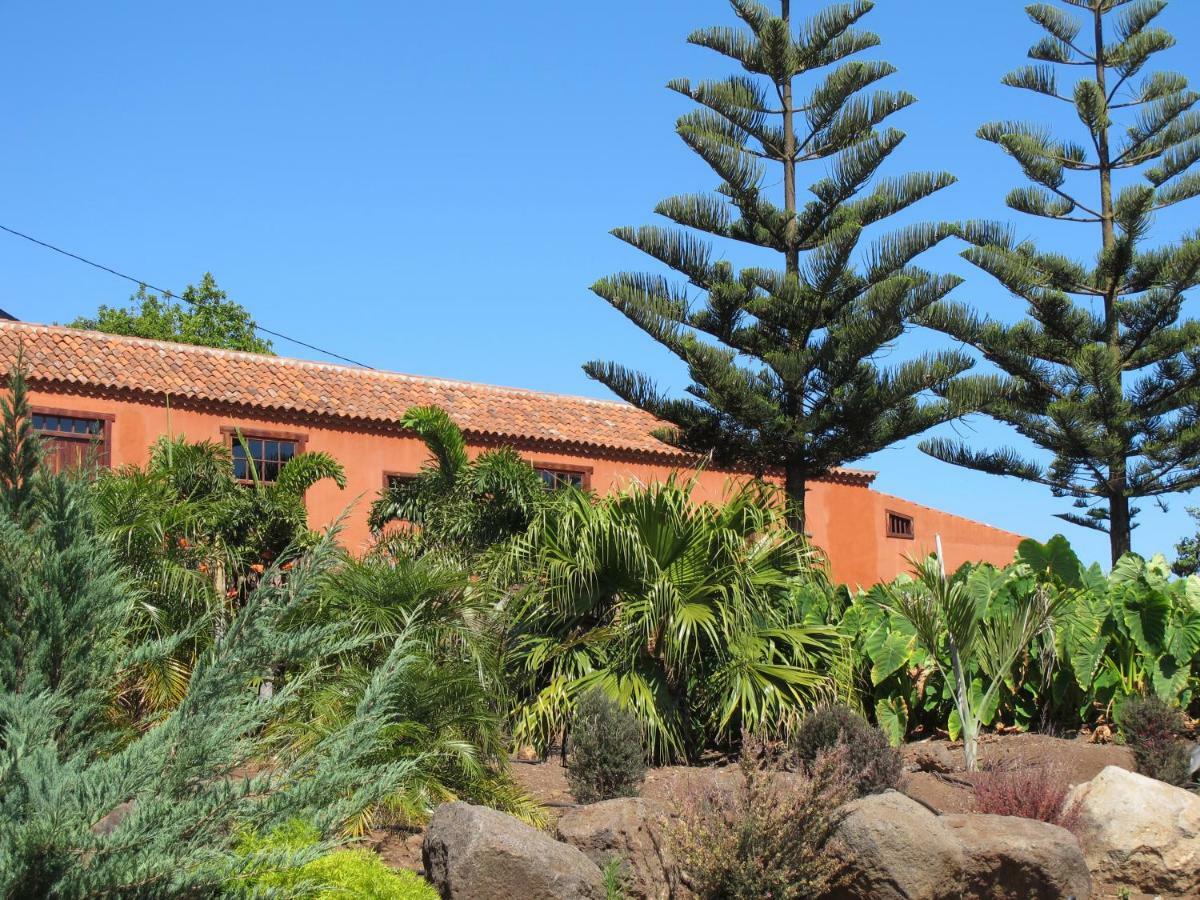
x=196, y=541
x=950, y=618
x=686, y=613
x=459, y=503
x=447, y=718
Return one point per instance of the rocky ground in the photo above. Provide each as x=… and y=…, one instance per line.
x=934, y=774
x=934, y=779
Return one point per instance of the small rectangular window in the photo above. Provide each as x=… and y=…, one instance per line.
x=560, y=478
x=261, y=458
x=70, y=441
x=392, y=480
x=900, y=526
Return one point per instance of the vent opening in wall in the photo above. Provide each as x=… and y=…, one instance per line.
x=899, y=526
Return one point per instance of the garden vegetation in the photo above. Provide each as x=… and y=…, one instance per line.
x=200, y=694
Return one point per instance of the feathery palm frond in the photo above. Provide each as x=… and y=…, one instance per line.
x=679, y=610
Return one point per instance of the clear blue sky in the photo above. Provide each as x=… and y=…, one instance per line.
x=429, y=187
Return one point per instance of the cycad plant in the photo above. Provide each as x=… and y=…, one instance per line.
x=683, y=612
x=1103, y=372
x=460, y=504
x=948, y=616
x=787, y=363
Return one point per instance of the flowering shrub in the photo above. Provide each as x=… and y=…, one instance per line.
x=874, y=764
x=1029, y=793
x=772, y=836
x=1153, y=730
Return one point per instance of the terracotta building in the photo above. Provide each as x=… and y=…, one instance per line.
x=96, y=391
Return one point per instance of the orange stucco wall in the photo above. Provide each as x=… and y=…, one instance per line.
x=846, y=520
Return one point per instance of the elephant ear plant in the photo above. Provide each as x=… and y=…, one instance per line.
x=948, y=615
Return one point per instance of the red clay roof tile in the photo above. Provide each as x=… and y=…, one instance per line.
x=97, y=360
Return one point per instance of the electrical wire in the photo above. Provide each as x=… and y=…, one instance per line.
x=172, y=295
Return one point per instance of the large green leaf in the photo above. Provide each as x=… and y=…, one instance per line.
x=1054, y=560
x=1085, y=640
x=890, y=655
x=985, y=713
x=1169, y=678
x=892, y=715
x=1183, y=636
x=1145, y=614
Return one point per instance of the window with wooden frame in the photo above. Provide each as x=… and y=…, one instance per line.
x=556, y=476
x=71, y=439
x=259, y=455
x=392, y=480
x=900, y=526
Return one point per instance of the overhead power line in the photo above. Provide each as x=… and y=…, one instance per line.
x=172, y=295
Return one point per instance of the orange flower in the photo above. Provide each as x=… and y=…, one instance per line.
x=231, y=593
x=257, y=567
x=203, y=568
x=183, y=543
x=287, y=565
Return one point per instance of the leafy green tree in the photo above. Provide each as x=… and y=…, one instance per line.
x=685, y=613
x=947, y=615
x=786, y=363
x=1187, y=551
x=203, y=315
x=1102, y=373
x=460, y=504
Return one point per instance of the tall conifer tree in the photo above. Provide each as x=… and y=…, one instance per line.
x=784, y=362
x=1103, y=372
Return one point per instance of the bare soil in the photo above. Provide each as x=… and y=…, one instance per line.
x=934, y=771
x=936, y=776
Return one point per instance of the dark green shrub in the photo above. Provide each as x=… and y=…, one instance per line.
x=1153, y=729
x=873, y=763
x=606, y=758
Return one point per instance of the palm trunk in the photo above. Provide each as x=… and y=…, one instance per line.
x=219, y=585
x=962, y=700
x=1120, y=528
x=795, y=488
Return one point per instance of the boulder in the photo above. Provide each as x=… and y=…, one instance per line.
x=1139, y=833
x=1019, y=859
x=896, y=849
x=475, y=853
x=630, y=828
